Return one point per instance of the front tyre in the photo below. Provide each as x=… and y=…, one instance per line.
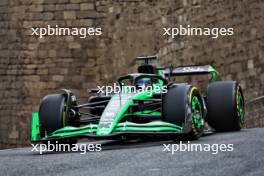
x=52, y=113
x=52, y=116
x=183, y=105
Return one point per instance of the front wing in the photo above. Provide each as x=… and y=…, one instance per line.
x=123, y=129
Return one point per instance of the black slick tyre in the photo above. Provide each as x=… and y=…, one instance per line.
x=183, y=106
x=52, y=113
x=225, y=104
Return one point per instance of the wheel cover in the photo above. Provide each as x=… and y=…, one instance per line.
x=240, y=107
x=197, y=112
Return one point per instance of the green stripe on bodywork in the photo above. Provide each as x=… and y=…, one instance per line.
x=214, y=73
x=69, y=130
x=146, y=112
x=155, y=126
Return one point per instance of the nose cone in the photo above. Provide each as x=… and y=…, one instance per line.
x=113, y=112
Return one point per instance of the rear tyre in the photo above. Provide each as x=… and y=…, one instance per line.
x=183, y=105
x=225, y=102
x=52, y=115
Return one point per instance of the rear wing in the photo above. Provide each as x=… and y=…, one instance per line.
x=192, y=70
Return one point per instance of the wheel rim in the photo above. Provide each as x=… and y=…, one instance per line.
x=240, y=107
x=197, y=112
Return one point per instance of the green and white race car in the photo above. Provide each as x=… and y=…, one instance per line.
x=155, y=106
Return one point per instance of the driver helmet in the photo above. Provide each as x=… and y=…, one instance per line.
x=143, y=83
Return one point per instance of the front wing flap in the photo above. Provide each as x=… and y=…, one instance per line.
x=121, y=129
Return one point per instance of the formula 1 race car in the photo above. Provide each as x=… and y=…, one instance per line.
x=148, y=104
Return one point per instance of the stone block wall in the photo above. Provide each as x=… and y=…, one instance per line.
x=31, y=67
x=255, y=111
x=135, y=28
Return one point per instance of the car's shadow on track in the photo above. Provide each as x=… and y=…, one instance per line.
x=117, y=145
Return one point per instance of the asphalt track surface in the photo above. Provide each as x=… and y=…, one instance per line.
x=148, y=158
